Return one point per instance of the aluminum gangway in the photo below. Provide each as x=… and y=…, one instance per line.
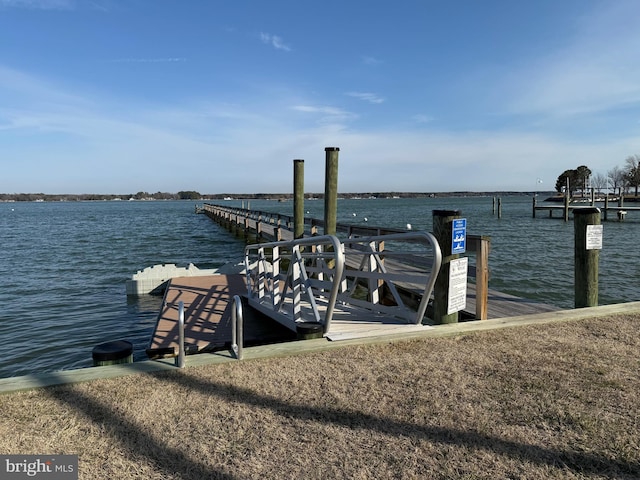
x=351, y=287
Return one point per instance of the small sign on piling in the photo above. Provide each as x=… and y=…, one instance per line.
x=457, y=285
x=594, y=237
x=459, y=236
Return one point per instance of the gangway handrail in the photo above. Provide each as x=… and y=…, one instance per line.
x=318, y=269
x=179, y=360
x=237, y=327
x=264, y=278
x=376, y=262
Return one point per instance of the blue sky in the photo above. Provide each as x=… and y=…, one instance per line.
x=118, y=96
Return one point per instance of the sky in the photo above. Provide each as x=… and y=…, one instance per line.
x=122, y=96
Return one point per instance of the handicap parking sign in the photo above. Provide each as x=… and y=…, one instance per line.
x=459, y=236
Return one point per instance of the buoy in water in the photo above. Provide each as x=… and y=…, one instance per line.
x=112, y=353
x=408, y=226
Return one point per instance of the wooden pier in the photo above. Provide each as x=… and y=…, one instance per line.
x=620, y=211
x=208, y=299
x=482, y=303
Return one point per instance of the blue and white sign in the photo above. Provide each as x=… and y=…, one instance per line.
x=459, y=236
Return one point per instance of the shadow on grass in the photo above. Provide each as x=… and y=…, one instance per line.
x=134, y=439
x=176, y=462
x=581, y=462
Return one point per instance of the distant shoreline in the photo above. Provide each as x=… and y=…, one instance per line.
x=44, y=197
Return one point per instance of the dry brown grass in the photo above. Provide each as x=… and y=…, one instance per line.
x=558, y=401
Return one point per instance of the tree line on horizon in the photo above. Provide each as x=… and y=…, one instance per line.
x=87, y=197
x=617, y=180
x=193, y=195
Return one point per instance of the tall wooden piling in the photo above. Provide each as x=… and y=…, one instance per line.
x=588, y=242
x=443, y=230
x=298, y=198
x=533, y=210
x=331, y=190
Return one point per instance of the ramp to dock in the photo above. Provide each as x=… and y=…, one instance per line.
x=207, y=302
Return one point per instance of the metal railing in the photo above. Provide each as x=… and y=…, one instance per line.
x=271, y=226
x=279, y=295
x=237, y=327
x=391, y=265
x=324, y=274
x=179, y=361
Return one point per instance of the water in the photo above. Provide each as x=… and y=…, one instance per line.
x=64, y=265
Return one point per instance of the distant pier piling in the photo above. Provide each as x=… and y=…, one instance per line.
x=298, y=198
x=331, y=190
x=497, y=201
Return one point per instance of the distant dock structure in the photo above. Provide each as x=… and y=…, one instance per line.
x=568, y=205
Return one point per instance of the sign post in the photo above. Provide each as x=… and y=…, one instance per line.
x=588, y=243
x=443, y=230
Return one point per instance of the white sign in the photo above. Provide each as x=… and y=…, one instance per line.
x=594, y=237
x=457, y=285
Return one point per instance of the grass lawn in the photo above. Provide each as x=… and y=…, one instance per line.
x=551, y=401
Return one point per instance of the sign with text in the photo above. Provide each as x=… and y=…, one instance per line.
x=594, y=237
x=457, y=285
x=459, y=236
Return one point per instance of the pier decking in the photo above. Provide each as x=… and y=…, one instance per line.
x=207, y=303
x=482, y=303
x=568, y=207
x=208, y=299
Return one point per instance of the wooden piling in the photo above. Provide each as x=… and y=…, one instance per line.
x=298, y=198
x=499, y=207
x=587, y=257
x=533, y=209
x=442, y=230
x=331, y=190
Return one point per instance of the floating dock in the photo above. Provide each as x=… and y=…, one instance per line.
x=207, y=302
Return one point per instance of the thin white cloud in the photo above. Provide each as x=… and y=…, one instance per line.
x=367, y=97
x=368, y=60
x=327, y=114
x=150, y=60
x=275, y=41
x=38, y=4
x=421, y=118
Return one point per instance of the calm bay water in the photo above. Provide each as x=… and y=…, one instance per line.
x=64, y=265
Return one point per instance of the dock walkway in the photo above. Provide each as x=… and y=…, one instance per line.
x=568, y=207
x=207, y=303
x=482, y=302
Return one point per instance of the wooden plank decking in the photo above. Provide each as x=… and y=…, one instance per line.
x=207, y=306
x=502, y=305
x=207, y=302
